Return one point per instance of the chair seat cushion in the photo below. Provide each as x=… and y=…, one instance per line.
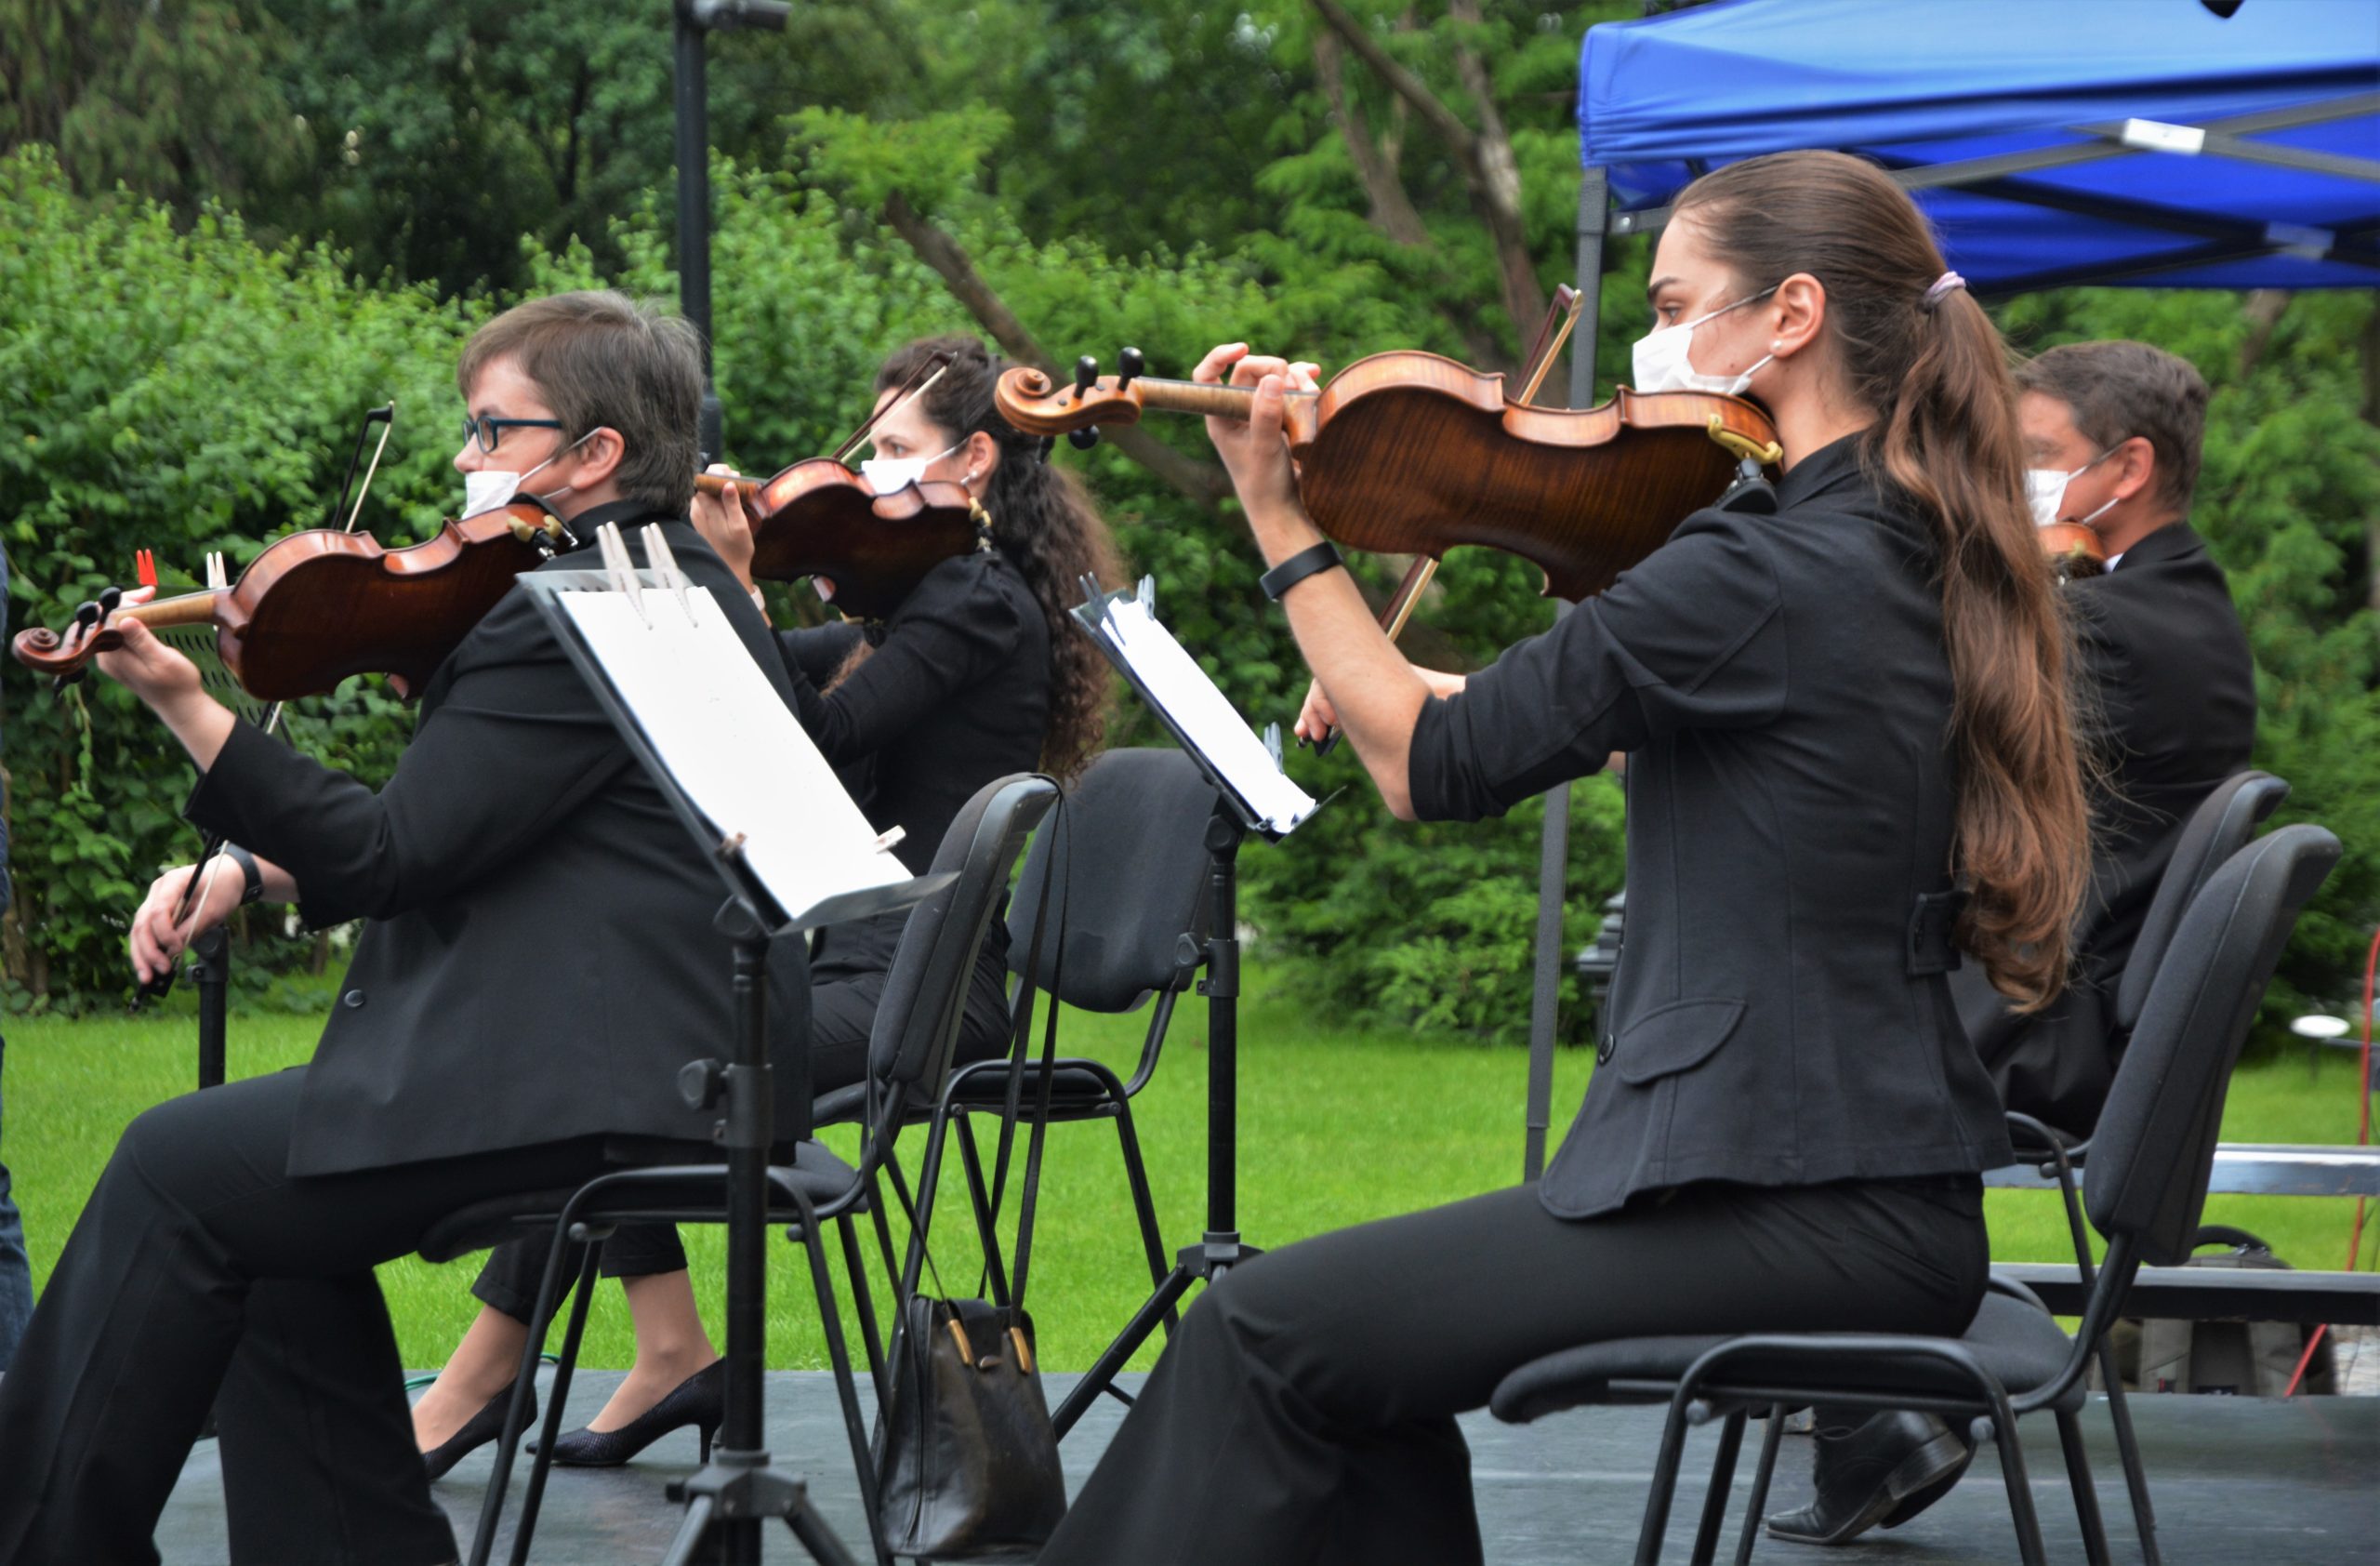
x=1074, y=1086
x=2022, y=1347
x=698, y=1193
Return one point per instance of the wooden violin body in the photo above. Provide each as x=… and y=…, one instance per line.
x=1411, y=453
x=865, y=550
x=317, y=606
x=2074, y=550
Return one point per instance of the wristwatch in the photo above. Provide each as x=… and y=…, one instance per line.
x=252, y=878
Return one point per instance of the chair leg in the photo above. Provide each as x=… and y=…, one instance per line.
x=1657, y=1504
x=1723, y=1480
x=2020, y=1490
x=524, y=1379
x=883, y=1222
x=2135, y=1478
x=534, y=1497
x=979, y=1196
x=1136, y=1175
x=1770, y=1440
x=830, y=1320
x=864, y=1302
x=2086, y=1496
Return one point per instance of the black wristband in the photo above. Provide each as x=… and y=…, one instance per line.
x=1298, y=567
x=251, y=876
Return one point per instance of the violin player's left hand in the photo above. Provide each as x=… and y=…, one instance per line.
x=167, y=683
x=1256, y=453
x=726, y=526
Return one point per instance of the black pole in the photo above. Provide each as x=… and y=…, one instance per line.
x=1222, y=988
x=211, y=971
x=1554, y=843
x=694, y=209
x=749, y=1101
x=696, y=18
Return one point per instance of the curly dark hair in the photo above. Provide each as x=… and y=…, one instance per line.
x=1042, y=519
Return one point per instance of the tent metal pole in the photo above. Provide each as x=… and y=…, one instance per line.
x=1554, y=841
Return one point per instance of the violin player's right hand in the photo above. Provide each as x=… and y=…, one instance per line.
x=726, y=526
x=157, y=943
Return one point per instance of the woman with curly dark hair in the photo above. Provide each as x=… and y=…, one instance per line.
x=974, y=676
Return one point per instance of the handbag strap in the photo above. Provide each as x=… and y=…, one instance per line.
x=1022, y=1032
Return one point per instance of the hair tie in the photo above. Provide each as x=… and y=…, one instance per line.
x=1940, y=290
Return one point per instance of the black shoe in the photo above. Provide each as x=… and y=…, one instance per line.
x=477, y=1431
x=699, y=1401
x=1886, y=1472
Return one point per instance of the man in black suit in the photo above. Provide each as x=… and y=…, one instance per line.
x=2112, y=433
x=538, y=964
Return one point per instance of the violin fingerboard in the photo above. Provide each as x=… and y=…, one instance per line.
x=196, y=643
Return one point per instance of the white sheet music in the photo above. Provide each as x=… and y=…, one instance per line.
x=732, y=745
x=1191, y=698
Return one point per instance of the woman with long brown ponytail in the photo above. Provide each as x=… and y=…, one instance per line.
x=976, y=675
x=1849, y=761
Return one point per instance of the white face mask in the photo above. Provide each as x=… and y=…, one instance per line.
x=2045, y=488
x=1661, y=360
x=889, y=476
x=491, y=487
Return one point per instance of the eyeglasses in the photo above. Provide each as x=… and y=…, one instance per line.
x=488, y=429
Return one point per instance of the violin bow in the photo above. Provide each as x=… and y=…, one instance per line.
x=920, y=382
x=1560, y=322
x=200, y=884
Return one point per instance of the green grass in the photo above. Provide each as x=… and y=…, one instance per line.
x=1337, y=1125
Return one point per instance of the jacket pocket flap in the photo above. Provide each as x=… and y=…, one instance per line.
x=1678, y=1036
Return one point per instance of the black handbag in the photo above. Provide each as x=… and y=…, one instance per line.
x=967, y=1460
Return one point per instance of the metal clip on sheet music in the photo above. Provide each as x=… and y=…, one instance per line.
x=620, y=569
x=664, y=568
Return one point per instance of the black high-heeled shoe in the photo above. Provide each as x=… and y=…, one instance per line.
x=477, y=1431
x=699, y=1401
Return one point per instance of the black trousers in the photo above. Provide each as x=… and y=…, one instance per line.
x=1304, y=1410
x=202, y=1274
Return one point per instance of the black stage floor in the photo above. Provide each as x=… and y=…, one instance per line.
x=2235, y=1480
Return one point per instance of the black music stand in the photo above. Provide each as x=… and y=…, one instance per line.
x=1220, y=1248
x=738, y=1491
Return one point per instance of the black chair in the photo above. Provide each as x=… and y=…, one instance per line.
x=1130, y=907
x=2155, y=1149
x=909, y=1049
x=2217, y=829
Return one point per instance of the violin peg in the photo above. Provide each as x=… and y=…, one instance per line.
x=1084, y=438
x=108, y=599
x=1086, y=375
x=87, y=615
x=1130, y=366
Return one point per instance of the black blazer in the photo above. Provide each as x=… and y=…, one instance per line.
x=1780, y=685
x=540, y=960
x=955, y=693
x=2170, y=698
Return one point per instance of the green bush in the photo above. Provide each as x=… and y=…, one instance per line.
x=181, y=392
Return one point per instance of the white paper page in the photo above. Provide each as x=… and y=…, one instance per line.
x=732, y=745
x=1206, y=715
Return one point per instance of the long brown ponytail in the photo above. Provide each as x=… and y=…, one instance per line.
x=1043, y=520
x=1933, y=368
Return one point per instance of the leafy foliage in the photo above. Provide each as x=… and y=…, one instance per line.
x=1166, y=175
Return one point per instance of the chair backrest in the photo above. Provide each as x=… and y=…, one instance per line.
x=1131, y=847
x=2219, y=828
x=2154, y=1151
x=925, y=990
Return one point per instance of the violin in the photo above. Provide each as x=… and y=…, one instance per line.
x=1411, y=453
x=865, y=550
x=2074, y=550
x=317, y=606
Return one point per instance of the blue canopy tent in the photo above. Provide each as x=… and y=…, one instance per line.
x=2052, y=142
